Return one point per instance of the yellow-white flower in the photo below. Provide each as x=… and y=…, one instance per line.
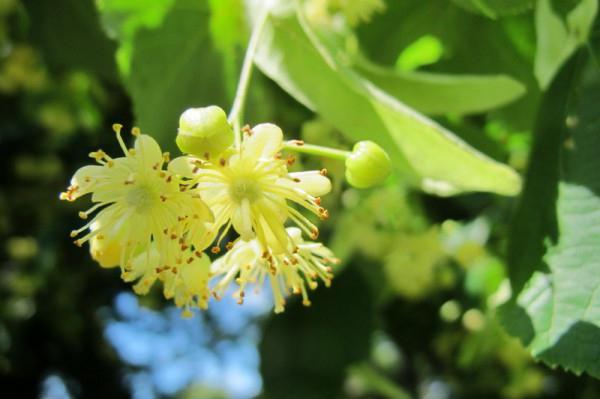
x=138, y=204
x=296, y=273
x=185, y=280
x=252, y=190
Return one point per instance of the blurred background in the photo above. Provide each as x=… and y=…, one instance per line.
x=411, y=310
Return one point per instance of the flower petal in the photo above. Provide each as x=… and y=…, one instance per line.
x=312, y=182
x=242, y=220
x=182, y=166
x=147, y=150
x=266, y=140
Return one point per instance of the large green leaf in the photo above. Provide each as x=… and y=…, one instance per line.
x=174, y=67
x=434, y=93
x=70, y=36
x=555, y=248
x=291, y=54
x=557, y=40
x=122, y=19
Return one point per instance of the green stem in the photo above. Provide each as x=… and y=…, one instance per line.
x=299, y=146
x=237, y=109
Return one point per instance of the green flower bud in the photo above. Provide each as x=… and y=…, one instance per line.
x=204, y=132
x=367, y=165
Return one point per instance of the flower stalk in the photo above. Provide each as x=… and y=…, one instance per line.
x=237, y=109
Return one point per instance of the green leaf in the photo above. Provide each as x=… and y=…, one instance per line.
x=555, y=243
x=496, y=8
x=557, y=41
x=426, y=50
x=290, y=53
x=435, y=94
x=122, y=19
x=174, y=67
x=472, y=45
x=70, y=36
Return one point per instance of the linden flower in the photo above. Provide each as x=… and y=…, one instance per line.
x=139, y=204
x=251, y=190
x=247, y=263
x=186, y=281
x=187, y=284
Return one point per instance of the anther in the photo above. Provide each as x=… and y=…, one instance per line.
x=323, y=172
x=222, y=162
x=83, y=215
x=190, y=260
x=229, y=245
x=135, y=131
x=163, y=198
x=215, y=250
x=117, y=127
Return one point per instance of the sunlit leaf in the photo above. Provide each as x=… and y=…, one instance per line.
x=557, y=40
x=174, y=67
x=434, y=93
x=291, y=54
x=122, y=19
x=555, y=242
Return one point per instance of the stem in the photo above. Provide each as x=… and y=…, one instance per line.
x=299, y=146
x=237, y=110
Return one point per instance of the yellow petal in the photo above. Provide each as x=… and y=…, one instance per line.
x=147, y=150
x=182, y=166
x=266, y=141
x=312, y=182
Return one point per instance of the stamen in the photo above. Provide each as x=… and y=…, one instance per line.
x=117, y=129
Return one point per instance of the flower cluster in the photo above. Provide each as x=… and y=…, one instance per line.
x=155, y=217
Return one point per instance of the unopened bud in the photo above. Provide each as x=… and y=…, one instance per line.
x=204, y=132
x=368, y=165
